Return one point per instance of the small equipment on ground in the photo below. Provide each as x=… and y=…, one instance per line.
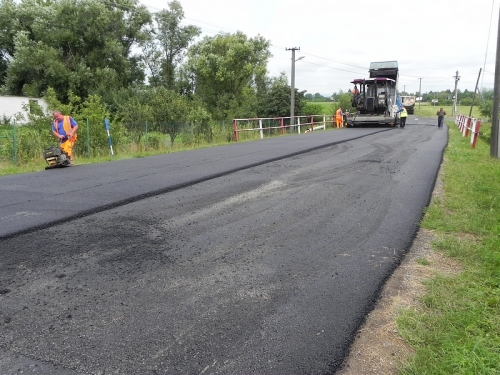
x=56, y=158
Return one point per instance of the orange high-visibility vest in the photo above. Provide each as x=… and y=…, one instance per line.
x=338, y=114
x=66, y=127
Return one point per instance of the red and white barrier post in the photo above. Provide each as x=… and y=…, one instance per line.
x=475, y=132
x=466, y=123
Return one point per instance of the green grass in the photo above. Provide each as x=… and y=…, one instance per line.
x=427, y=110
x=458, y=329
x=327, y=108
x=423, y=261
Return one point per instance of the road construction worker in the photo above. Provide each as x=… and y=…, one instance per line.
x=64, y=129
x=403, y=114
x=339, y=117
x=355, y=96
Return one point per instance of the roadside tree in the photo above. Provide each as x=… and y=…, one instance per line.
x=169, y=41
x=170, y=112
x=75, y=45
x=276, y=102
x=223, y=67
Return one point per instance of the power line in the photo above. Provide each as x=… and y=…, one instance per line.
x=329, y=67
x=432, y=80
x=338, y=62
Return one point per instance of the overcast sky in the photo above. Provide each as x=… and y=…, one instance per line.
x=430, y=39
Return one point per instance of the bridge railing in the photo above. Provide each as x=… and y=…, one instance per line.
x=468, y=125
x=281, y=125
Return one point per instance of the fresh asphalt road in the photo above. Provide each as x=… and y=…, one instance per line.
x=255, y=258
x=33, y=200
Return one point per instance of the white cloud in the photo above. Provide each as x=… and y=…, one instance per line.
x=430, y=39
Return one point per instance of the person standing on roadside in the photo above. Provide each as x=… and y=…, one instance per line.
x=339, y=116
x=64, y=129
x=440, y=114
x=403, y=114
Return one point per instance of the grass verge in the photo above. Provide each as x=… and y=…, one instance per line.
x=35, y=165
x=457, y=328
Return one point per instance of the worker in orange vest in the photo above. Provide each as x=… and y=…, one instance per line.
x=339, y=116
x=64, y=129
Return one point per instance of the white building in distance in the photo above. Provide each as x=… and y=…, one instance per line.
x=11, y=108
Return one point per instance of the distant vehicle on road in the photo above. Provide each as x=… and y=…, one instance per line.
x=408, y=102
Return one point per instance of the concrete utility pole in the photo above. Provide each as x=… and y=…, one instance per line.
x=420, y=93
x=292, y=92
x=454, y=109
x=495, y=129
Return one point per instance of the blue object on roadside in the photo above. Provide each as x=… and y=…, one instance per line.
x=106, y=124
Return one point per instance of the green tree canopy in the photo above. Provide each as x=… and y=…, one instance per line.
x=170, y=112
x=224, y=66
x=163, y=53
x=276, y=101
x=70, y=45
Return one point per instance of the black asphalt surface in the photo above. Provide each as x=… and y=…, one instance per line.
x=254, y=258
x=29, y=201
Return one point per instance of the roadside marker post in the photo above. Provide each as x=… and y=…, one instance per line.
x=475, y=133
x=106, y=124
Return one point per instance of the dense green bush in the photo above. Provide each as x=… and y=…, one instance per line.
x=312, y=109
x=486, y=109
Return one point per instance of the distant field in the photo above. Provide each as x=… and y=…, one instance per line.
x=430, y=110
x=327, y=107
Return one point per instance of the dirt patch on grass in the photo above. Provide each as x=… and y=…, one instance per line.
x=378, y=348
